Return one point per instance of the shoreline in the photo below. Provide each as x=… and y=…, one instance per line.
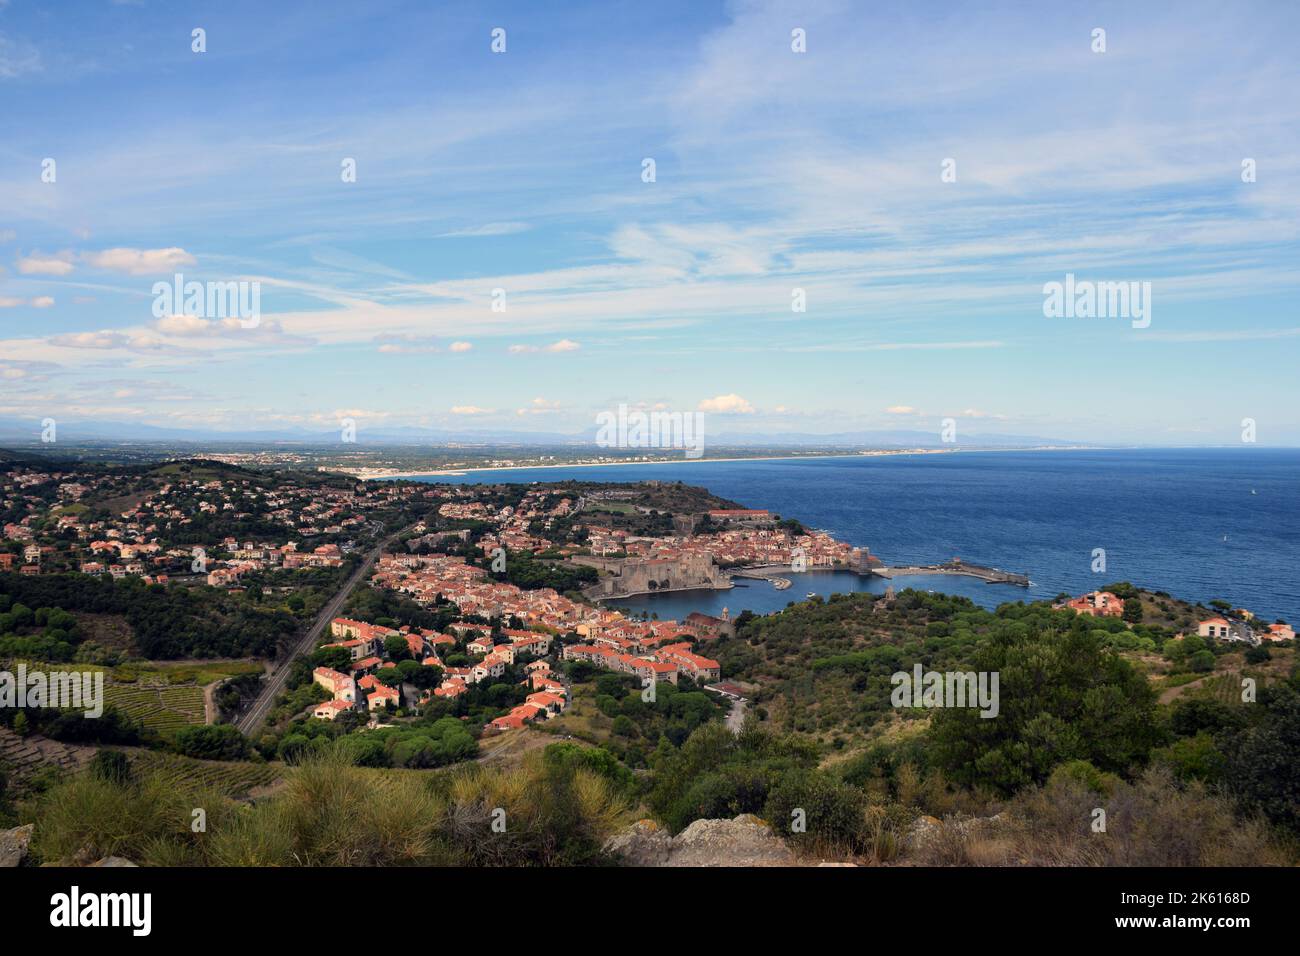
x=383, y=475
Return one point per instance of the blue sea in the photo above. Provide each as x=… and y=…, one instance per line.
x=1198, y=523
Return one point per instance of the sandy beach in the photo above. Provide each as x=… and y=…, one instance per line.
x=379, y=474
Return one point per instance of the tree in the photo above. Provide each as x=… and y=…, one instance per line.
x=1264, y=760
x=1062, y=696
x=1258, y=654
x=1133, y=610
x=1195, y=758
x=211, y=742
x=426, y=676
x=335, y=658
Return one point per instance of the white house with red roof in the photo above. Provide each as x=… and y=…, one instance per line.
x=1096, y=604
x=1213, y=627
x=517, y=717
x=1279, y=632
x=699, y=668
x=339, y=685
x=1226, y=630
x=382, y=696
x=331, y=709
x=552, y=704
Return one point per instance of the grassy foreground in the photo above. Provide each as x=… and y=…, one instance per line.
x=330, y=813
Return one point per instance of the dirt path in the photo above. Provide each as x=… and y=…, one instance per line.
x=736, y=716
x=210, y=701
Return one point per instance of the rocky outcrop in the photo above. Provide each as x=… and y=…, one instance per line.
x=113, y=861
x=644, y=843
x=744, y=841
x=922, y=834
x=13, y=845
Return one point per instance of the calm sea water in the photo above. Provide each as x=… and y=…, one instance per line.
x=1198, y=523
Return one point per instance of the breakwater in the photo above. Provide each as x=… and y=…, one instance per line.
x=956, y=566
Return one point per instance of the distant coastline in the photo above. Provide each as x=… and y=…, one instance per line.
x=383, y=474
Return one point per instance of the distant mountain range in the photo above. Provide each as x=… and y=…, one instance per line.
x=26, y=432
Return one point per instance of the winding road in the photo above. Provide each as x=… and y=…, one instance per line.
x=252, y=719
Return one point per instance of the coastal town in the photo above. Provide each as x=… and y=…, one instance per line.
x=416, y=626
x=458, y=553
x=163, y=529
x=651, y=651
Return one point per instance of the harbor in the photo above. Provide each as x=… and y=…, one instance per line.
x=777, y=574
x=956, y=566
x=758, y=594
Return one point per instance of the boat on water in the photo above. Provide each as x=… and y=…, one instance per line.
x=811, y=594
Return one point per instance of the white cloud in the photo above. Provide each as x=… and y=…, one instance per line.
x=105, y=339
x=39, y=265
x=140, y=262
x=470, y=410
x=43, y=301
x=539, y=406
x=461, y=346
x=731, y=404
x=563, y=345
x=183, y=325
x=903, y=410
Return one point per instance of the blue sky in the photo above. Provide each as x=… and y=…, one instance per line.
x=775, y=170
